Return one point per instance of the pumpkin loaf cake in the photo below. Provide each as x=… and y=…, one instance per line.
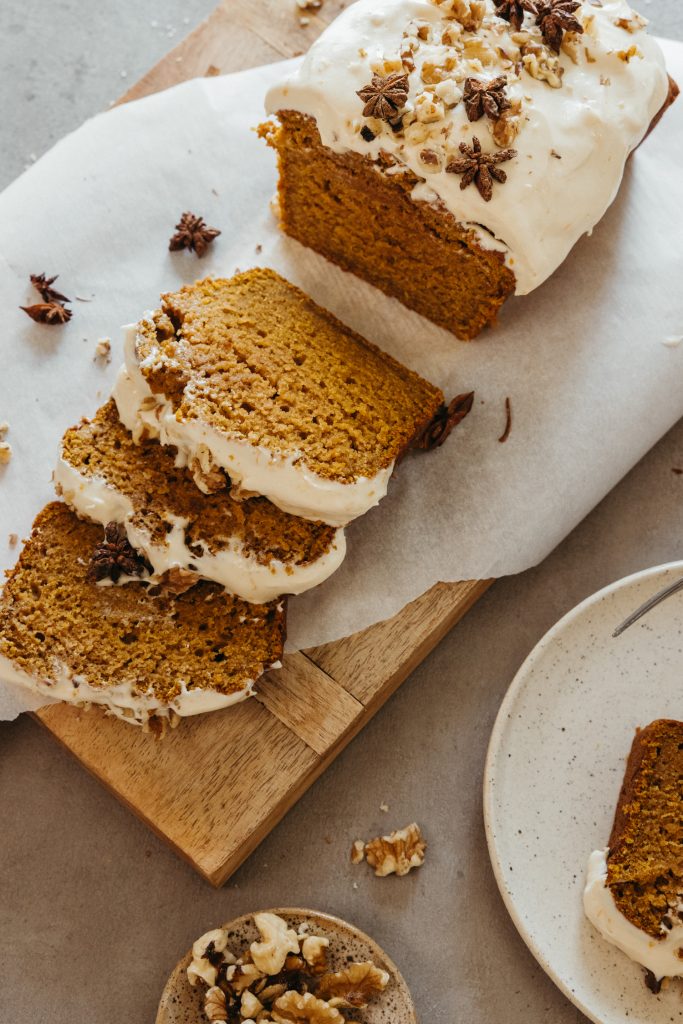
x=249, y=377
x=451, y=152
x=634, y=893
x=138, y=650
x=251, y=547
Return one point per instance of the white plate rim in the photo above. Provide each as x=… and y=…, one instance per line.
x=494, y=745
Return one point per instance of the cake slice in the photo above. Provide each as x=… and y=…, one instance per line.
x=139, y=651
x=251, y=547
x=249, y=377
x=634, y=892
x=451, y=152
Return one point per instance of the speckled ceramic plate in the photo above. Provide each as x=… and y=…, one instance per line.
x=555, y=764
x=181, y=1003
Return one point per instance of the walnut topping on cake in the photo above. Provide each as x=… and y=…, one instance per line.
x=481, y=168
x=633, y=24
x=385, y=97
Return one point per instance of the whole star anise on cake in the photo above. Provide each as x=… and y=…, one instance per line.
x=115, y=557
x=480, y=168
x=192, y=233
x=485, y=98
x=513, y=10
x=385, y=97
x=554, y=18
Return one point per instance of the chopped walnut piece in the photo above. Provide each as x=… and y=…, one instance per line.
x=250, y=1005
x=242, y=976
x=208, y=477
x=353, y=987
x=277, y=940
x=632, y=24
x=358, y=851
x=5, y=453
x=214, y=1005
x=427, y=109
x=397, y=853
x=540, y=63
x=314, y=951
x=470, y=13
x=506, y=129
x=626, y=55
x=4, y=430
x=103, y=349
x=177, y=580
x=297, y=1008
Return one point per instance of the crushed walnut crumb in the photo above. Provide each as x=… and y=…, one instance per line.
x=397, y=853
x=5, y=453
x=13, y=540
x=103, y=350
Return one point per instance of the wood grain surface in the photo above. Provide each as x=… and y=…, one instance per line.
x=215, y=787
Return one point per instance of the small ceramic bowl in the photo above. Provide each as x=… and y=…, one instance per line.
x=181, y=1003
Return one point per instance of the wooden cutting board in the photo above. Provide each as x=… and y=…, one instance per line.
x=215, y=787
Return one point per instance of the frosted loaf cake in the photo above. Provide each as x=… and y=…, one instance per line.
x=452, y=153
x=250, y=380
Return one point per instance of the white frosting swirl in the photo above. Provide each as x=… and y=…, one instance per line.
x=573, y=140
x=285, y=480
x=120, y=699
x=658, y=955
x=232, y=565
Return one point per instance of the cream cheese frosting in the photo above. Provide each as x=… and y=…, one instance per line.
x=120, y=699
x=575, y=117
x=285, y=480
x=232, y=566
x=658, y=955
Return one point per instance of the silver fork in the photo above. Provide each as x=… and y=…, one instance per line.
x=661, y=595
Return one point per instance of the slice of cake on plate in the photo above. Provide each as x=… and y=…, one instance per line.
x=251, y=547
x=634, y=891
x=142, y=653
x=251, y=381
x=451, y=152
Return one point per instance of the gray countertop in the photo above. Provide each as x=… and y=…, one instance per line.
x=94, y=909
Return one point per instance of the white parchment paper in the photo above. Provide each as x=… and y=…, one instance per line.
x=592, y=384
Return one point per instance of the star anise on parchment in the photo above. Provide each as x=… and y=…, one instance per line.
x=444, y=420
x=51, y=310
x=115, y=557
x=192, y=233
x=554, y=18
x=513, y=11
x=385, y=97
x=485, y=98
x=44, y=284
x=480, y=168
x=48, y=312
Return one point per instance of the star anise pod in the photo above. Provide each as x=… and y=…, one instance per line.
x=48, y=312
x=115, y=556
x=479, y=167
x=385, y=97
x=192, y=233
x=513, y=10
x=44, y=284
x=485, y=98
x=554, y=18
x=444, y=420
